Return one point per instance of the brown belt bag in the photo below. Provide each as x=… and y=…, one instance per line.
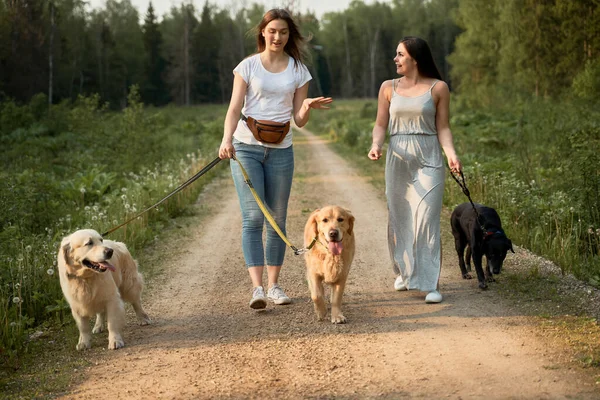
x=267, y=131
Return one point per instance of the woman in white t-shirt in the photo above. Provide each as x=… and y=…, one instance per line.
x=271, y=85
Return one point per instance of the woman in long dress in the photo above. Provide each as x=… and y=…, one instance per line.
x=415, y=110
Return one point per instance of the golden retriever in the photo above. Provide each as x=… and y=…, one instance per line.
x=83, y=260
x=328, y=261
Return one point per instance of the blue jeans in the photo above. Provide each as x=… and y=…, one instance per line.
x=270, y=171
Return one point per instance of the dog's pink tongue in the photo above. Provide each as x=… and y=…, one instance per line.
x=335, y=248
x=108, y=266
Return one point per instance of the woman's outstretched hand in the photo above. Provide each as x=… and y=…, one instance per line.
x=318, y=102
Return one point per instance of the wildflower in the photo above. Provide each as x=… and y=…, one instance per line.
x=87, y=208
x=28, y=248
x=115, y=221
x=82, y=189
x=591, y=231
x=94, y=218
x=13, y=323
x=50, y=271
x=124, y=197
x=16, y=300
x=123, y=189
x=17, y=285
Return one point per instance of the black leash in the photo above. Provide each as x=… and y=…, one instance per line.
x=463, y=185
x=180, y=188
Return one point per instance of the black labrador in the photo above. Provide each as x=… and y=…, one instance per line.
x=490, y=241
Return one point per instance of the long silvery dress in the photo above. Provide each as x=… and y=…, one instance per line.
x=414, y=178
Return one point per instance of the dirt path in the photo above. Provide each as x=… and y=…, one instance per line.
x=207, y=343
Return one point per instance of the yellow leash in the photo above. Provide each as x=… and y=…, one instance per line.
x=268, y=215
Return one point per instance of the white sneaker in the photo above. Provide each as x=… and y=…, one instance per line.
x=278, y=295
x=258, y=300
x=399, y=284
x=433, y=297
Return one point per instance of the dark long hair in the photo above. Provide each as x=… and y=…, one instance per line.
x=295, y=45
x=419, y=50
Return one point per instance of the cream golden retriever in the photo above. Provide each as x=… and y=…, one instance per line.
x=328, y=261
x=84, y=260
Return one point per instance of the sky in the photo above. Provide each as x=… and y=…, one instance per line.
x=162, y=7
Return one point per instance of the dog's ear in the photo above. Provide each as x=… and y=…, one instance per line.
x=350, y=222
x=311, y=228
x=510, y=245
x=66, y=250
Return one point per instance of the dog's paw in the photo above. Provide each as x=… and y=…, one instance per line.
x=115, y=343
x=491, y=279
x=145, y=320
x=98, y=329
x=483, y=285
x=83, y=345
x=467, y=276
x=338, y=319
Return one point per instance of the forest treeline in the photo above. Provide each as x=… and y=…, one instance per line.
x=64, y=49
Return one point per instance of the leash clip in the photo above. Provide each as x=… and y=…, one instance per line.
x=299, y=252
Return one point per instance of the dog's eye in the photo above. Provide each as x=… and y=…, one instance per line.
x=325, y=220
x=340, y=220
x=89, y=243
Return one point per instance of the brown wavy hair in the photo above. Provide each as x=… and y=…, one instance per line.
x=295, y=47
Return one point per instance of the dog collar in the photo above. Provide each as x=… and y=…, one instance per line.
x=487, y=234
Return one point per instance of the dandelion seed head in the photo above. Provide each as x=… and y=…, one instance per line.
x=50, y=271
x=16, y=300
x=82, y=189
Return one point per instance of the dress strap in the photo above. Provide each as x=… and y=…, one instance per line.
x=393, y=87
x=434, y=83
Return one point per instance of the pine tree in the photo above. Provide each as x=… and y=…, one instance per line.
x=154, y=89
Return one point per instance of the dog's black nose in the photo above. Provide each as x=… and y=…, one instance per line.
x=333, y=234
x=108, y=253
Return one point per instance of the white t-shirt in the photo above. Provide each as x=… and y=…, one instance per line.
x=269, y=96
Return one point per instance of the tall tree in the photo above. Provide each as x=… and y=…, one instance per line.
x=205, y=48
x=153, y=85
x=123, y=19
x=475, y=59
x=23, y=66
x=177, y=28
